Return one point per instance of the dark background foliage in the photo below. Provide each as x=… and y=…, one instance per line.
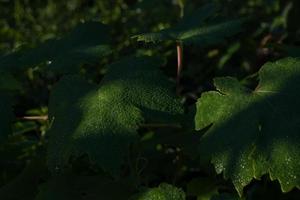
x=272, y=32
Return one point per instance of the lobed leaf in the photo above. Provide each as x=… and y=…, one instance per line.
x=254, y=132
x=197, y=28
x=103, y=120
x=85, y=44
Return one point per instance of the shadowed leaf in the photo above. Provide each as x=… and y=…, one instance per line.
x=85, y=44
x=103, y=120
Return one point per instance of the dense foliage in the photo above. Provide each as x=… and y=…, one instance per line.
x=149, y=100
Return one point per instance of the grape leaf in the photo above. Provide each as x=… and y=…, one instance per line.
x=162, y=192
x=254, y=132
x=197, y=28
x=103, y=120
x=85, y=44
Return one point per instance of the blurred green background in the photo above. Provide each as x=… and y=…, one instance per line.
x=272, y=32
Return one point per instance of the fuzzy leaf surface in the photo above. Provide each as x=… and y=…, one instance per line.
x=102, y=120
x=256, y=132
x=162, y=192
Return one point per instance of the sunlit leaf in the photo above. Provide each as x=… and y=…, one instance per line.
x=162, y=192
x=254, y=132
x=197, y=28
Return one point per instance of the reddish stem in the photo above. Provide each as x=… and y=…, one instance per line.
x=179, y=61
x=42, y=118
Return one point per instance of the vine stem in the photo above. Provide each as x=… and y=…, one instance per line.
x=179, y=48
x=42, y=118
x=181, y=6
x=45, y=118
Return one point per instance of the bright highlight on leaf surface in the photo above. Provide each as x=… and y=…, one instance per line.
x=162, y=192
x=102, y=120
x=198, y=28
x=85, y=44
x=254, y=132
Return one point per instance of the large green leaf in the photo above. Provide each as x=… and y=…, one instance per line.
x=254, y=132
x=197, y=28
x=103, y=120
x=85, y=44
x=162, y=192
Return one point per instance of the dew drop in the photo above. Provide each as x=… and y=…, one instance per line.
x=138, y=11
x=288, y=160
x=219, y=167
x=293, y=176
x=259, y=127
